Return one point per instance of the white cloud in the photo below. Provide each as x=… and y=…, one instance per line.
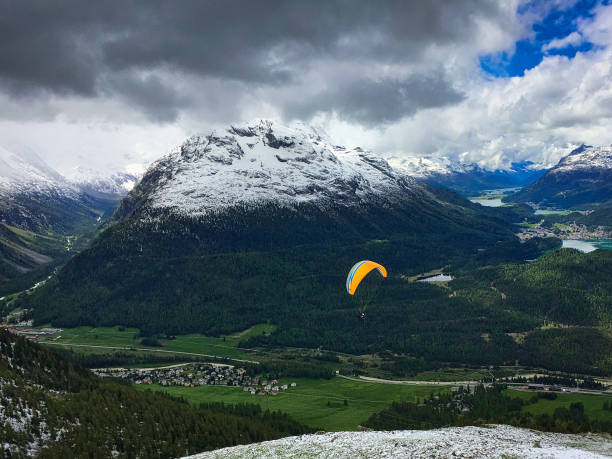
x=540, y=116
x=573, y=39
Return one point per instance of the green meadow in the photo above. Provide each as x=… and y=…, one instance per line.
x=121, y=337
x=315, y=402
x=593, y=404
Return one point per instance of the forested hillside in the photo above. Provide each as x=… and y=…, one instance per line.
x=51, y=408
x=490, y=314
x=39, y=232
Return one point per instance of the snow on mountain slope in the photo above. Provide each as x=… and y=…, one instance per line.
x=582, y=178
x=474, y=442
x=585, y=157
x=266, y=162
x=89, y=180
x=466, y=178
x=26, y=172
x=423, y=166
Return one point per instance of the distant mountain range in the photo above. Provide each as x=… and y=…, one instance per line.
x=467, y=179
x=581, y=179
x=42, y=212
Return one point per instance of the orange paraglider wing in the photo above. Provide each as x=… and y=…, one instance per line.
x=361, y=270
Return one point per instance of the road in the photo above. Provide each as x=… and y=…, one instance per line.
x=126, y=348
x=514, y=386
x=410, y=382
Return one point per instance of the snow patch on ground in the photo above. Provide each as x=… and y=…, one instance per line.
x=474, y=442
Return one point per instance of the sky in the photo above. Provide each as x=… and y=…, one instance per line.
x=114, y=85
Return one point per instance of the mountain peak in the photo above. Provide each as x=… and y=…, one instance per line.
x=585, y=157
x=265, y=162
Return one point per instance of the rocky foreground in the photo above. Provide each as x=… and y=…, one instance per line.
x=473, y=442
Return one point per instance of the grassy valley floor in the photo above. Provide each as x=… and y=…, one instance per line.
x=328, y=404
x=314, y=402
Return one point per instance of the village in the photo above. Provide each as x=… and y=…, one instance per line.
x=570, y=231
x=197, y=374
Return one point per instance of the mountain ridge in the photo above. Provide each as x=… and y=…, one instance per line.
x=258, y=164
x=367, y=209
x=466, y=178
x=581, y=178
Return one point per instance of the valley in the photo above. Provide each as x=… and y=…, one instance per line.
x=190, y=301
x=306, y=229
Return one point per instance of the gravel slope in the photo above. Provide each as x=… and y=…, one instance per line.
x=473, y=442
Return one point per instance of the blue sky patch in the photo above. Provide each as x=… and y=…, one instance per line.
x=528, y=53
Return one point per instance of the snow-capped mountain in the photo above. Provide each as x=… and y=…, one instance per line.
x=262, y=163
x=581, y=179
x=92, y=181
x=425, y=166
x=233, y=196
x=476, y=442
x=35, y=196
x=466, y=178
x=585, y=158
x=26, y=172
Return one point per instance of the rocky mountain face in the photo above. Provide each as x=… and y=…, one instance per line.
x=581, y=179
x=260, y=164
x=466, y=178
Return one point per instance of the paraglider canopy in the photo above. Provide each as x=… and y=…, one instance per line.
x=361, y=270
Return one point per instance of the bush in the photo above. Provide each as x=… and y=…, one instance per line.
x=150, y=342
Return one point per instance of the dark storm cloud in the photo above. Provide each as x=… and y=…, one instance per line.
x=159, y=100
x=101, y=48
x=374, y=102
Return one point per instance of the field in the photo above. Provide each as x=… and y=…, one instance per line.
x=593, y=404
x=120, y=337
x=317, y=403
